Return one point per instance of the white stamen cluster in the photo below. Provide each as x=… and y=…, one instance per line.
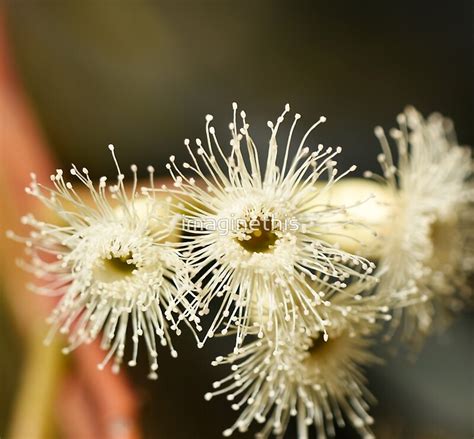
x=317, y=377
x=319, y=382
x=112, y=262
x=428, y=252
x=273, y=266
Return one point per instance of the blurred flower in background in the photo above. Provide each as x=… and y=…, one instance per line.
x=78, y=75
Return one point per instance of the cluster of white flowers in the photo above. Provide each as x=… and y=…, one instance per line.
x=299, y=264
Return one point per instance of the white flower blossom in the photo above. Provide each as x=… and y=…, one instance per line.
x=427, y=252
x=111, y=260
x=319, y=382
x=254, y=228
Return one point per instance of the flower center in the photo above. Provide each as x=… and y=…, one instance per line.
x=323, y=352
x=115, y=268
x=319, y=347
x=259, y=236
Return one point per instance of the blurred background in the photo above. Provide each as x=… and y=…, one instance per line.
x=142, y=75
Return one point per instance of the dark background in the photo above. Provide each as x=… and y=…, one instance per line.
x=143, y=74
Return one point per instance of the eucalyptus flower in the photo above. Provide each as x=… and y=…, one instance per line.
x=110, y=257
x=427, y=252
x=253, y=228
x=319, y=382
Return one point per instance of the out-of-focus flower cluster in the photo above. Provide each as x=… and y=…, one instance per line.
x=301, y=265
